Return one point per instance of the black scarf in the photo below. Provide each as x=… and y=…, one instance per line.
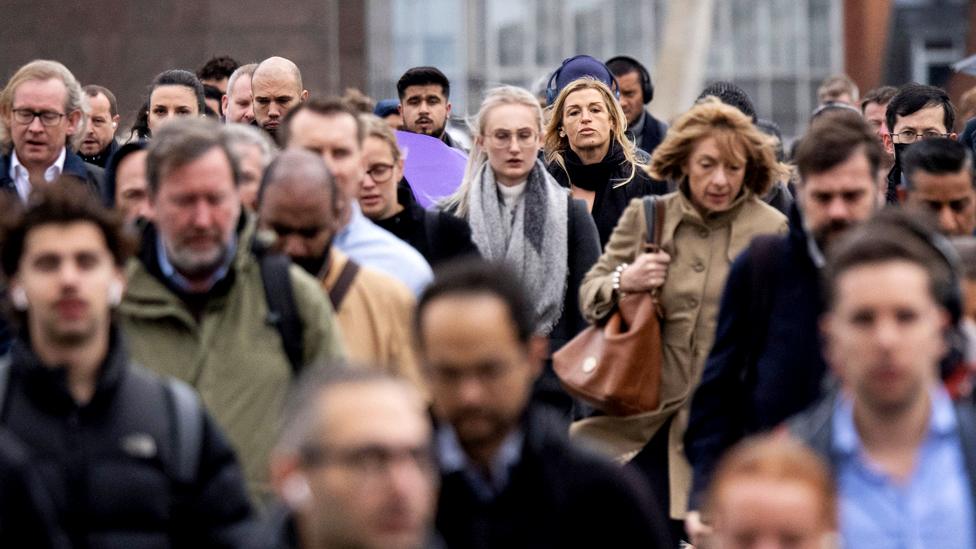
x=592, y=177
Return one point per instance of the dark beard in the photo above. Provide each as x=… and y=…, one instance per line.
x=313, y=264
x=825, y=236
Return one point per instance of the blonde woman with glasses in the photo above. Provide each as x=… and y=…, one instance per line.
x=519, y=214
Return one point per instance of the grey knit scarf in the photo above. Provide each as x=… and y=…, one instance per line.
x=538, y=248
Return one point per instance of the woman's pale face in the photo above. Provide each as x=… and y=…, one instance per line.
x=714, y=181
x=511, y=139
x=168, y=102
x=378, y=193
x=586, y=120
x=761, y=513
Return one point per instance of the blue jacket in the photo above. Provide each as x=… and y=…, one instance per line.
x=73, y=165
x=765, y=365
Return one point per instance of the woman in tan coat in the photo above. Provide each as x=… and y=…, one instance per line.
x=720, y=163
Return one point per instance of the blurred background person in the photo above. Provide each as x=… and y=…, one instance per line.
x=126, y=188
x=255, y=151
x=236, y=104
x=216, y=72
x=353, y=465
x=99, y=142
x=771, y=493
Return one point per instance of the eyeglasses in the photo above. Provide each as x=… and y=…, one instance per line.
x=380, y=173
x=48, y=118
x=909, y=136
x=369, y=461
x=501, y=139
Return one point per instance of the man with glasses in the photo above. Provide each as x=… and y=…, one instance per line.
x=103, y=118
x=330, y=129
x=509, y=477
x=353, y=466
x=916, y=112
x=42, y=115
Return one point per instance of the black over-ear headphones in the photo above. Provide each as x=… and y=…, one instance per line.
x=552, y=92
x=647, y=87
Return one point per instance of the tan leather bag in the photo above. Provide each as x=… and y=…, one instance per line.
x=616, y=367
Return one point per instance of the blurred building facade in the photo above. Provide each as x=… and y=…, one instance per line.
x=777, y=50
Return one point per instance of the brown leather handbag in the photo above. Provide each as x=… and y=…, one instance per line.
x=616, y=367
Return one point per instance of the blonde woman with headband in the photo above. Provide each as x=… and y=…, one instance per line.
x=720, y=164
x=519, y=214
x=587, y=150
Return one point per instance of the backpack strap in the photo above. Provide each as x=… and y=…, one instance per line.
x=343, y=283
x=432, y=224
x=282, y=311
x=188, y=423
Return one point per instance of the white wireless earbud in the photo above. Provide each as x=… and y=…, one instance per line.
x=115, y=294
x=115, y=124
x=295, y=491
x=19, y=298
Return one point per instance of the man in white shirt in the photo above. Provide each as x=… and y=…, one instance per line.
x=42, y=112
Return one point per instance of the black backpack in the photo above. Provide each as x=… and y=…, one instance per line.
x=282, y=312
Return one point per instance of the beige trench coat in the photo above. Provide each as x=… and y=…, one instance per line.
x=702, y=250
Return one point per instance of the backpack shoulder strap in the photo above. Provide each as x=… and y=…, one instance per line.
x=338, y=292
x=188, y=423
x=282, y=311
x=432, y=224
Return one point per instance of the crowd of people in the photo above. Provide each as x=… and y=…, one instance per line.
x=237, y=325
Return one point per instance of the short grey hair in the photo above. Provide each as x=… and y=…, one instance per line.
x=239, y=136
x=242, y=71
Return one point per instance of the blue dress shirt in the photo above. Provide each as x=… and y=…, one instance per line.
x=369, y=245
x=933, y=507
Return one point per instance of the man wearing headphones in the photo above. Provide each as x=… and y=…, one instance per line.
x=637, y=90
x=103, y=119
x=902, y=452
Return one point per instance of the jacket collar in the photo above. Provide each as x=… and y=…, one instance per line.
x=149, y=285
x=49, y=383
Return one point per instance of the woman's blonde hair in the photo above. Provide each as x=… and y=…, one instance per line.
x=556, y=144
x=734, y=134
x=779, y=459
x=374, y=126
x=495, y=97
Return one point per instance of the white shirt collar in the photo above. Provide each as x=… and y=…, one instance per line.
x=22, y=179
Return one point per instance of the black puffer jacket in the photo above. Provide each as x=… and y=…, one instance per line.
x=605, y=180
x=110, y=466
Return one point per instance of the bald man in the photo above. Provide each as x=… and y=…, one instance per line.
x=300, y=203
x=276, y=88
